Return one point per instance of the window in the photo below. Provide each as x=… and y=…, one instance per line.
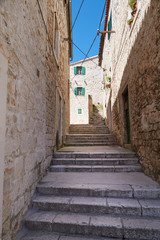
x=79, y=91
x=79, y=111
x=56, y=39
x=79, y=70
x=110, y=26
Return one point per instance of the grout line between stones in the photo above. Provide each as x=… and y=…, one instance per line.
x=123, y=237
x=89, y=221
x=132, y=190
x=140, y=207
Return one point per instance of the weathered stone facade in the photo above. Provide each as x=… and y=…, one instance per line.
x=131, y=57
x=93, y=84
x=33, y=40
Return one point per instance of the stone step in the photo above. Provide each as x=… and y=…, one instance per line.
x=90, y=136
x=89, y=132
x=39, y=235
x=90, y=144
x=114, y=206
x=99, y=190
x=95, y=161
x=93, y=168
x=81, y=140
x=90, y=141
x=81, y=126
x=75, y=155
x=94, y=225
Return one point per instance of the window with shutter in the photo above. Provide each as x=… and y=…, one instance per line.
x=75, y=91
x=79, y=70
x=83, y=70
x=83, y=91
x=79, y=91
x=79, y=111
x=110, y=26
x=75, y=70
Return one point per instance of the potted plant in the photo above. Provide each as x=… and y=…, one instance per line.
x=130, y=21
x=133, y=13
x=108, y=82
x=133, y=4
x=108, y=79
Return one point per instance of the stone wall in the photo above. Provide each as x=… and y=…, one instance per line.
x=35, y=77
x=133, y=64
x=94, y=87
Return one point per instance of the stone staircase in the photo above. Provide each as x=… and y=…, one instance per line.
x=89, y=135
x=94, y=192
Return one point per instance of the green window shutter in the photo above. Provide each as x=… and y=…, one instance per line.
x=83, y=70
x=75, y=91
x=79, y=111
x=75, y=70
x=110, y=26
x=83, y=91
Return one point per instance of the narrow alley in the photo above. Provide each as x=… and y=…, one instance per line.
x=79, y=120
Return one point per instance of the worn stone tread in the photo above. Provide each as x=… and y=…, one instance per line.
x=93, y=154
x=38, y=235
x=96, y=225
x=91, y=168
x=117, y=206
x=95, y=161
x=99, y=190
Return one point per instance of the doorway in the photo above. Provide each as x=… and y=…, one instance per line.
x=126, y=117
x=60, y=121
x=3, y=96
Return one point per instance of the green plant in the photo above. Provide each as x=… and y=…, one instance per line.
x=108, y=79
x=130, y=20
x=131, y=3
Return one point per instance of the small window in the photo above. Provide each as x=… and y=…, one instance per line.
x=80, y=91
x=56, y=39
x=79, y=111
x=79, y=70
x=110, y=26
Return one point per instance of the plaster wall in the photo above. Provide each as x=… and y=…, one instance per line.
x=94, y=86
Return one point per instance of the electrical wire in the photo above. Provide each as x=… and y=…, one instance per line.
x=77, y=15
x=100, y=23
x=90, y=48
x=83, y=53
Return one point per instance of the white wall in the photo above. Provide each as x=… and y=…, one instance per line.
x=92, y=82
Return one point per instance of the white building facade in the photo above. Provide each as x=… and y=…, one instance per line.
x=86, y=90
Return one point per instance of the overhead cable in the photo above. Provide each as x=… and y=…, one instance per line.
x=77, y=15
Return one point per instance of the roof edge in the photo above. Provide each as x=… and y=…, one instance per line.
x=87, y=59
x=103, y=35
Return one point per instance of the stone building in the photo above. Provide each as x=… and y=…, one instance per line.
x=35, y=47
x=86, y=91
x=131, y=56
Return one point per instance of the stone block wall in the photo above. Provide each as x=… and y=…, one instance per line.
x=93, y=84
x=133, y=63
x=34, y=78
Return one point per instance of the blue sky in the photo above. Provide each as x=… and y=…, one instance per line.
x=86, y=26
